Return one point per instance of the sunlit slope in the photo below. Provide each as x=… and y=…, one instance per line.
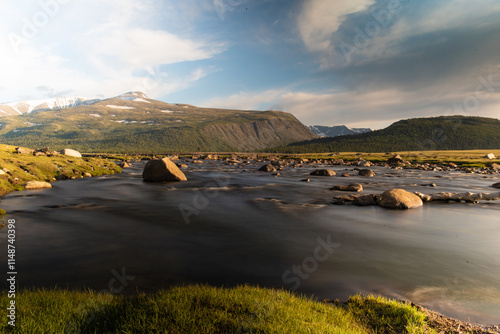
x=149, y=126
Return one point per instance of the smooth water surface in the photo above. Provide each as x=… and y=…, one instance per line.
x=229, y=226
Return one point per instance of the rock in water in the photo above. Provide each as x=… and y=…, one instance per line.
x=124, y=164
x=395, y=160
x=323, y=172
x=71, y=153
x=399, y=199
x=496, y=185
x=267, y=168
x=351, y=187
x=37, y=185
x=162, y=170
x=367, y=172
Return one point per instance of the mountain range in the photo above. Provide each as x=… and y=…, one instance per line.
x=133, y=122
x=335, y=131
x=417, y=134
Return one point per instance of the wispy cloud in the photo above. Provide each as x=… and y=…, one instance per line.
x=98, y=44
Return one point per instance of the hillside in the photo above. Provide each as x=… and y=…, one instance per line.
x=418, y=134
x=132, y=122
x=337, y=130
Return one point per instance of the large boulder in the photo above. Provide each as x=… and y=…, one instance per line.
x=351, y=187
x=323, y=172
x=71, y=153
x=162, y=170
x=395, y=160
x=23, y=150
x=367, y=172
x=267, y=168
x=496, y=185
x=399, y=199
x=37, y=185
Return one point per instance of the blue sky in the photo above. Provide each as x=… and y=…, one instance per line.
x=363, y=63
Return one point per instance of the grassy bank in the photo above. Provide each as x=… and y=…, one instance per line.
x=20, y=168
x=203, y=309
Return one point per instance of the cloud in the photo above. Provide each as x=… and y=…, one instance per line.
x=246, y=100
x=142, y=47
x=320, y=19
x=99, y=47
x=376, y=108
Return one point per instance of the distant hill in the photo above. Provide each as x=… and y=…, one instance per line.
x=418, y=134
x=335, y=131
x=132, y=122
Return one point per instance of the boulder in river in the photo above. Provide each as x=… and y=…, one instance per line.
x=323, y=172
x=162, y=170
x=71, y=153
x=366, y=172
x=496, y=185
x=37, y=185
x=267, y=168
x=124, y=164
x=399, y=199
x=351, y=187
x=395, y=160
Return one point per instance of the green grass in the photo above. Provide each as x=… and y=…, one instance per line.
x=204, y=309
x=387, y=316
x=21, y=168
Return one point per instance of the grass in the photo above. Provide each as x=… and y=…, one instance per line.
x=205, y=309
x=21, y=168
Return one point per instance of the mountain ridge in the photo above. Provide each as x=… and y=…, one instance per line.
x=415, y=134
x=336, y=130
x=133, y=122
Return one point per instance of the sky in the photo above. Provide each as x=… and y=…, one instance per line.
x=362, y=63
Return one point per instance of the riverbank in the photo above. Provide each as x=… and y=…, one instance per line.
x=205, y=309
x=16, y=169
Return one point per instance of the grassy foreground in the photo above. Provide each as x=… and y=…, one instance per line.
x=21, y=168
x=204, y=309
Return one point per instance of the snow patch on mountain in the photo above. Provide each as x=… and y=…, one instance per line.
x=23, y=107
x=118, y=107
x=28, y=106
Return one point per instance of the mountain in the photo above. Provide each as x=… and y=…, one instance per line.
x=418, y=134
x=133, y=122
x=335, y=131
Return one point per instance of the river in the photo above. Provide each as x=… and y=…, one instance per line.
x=230, y=225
